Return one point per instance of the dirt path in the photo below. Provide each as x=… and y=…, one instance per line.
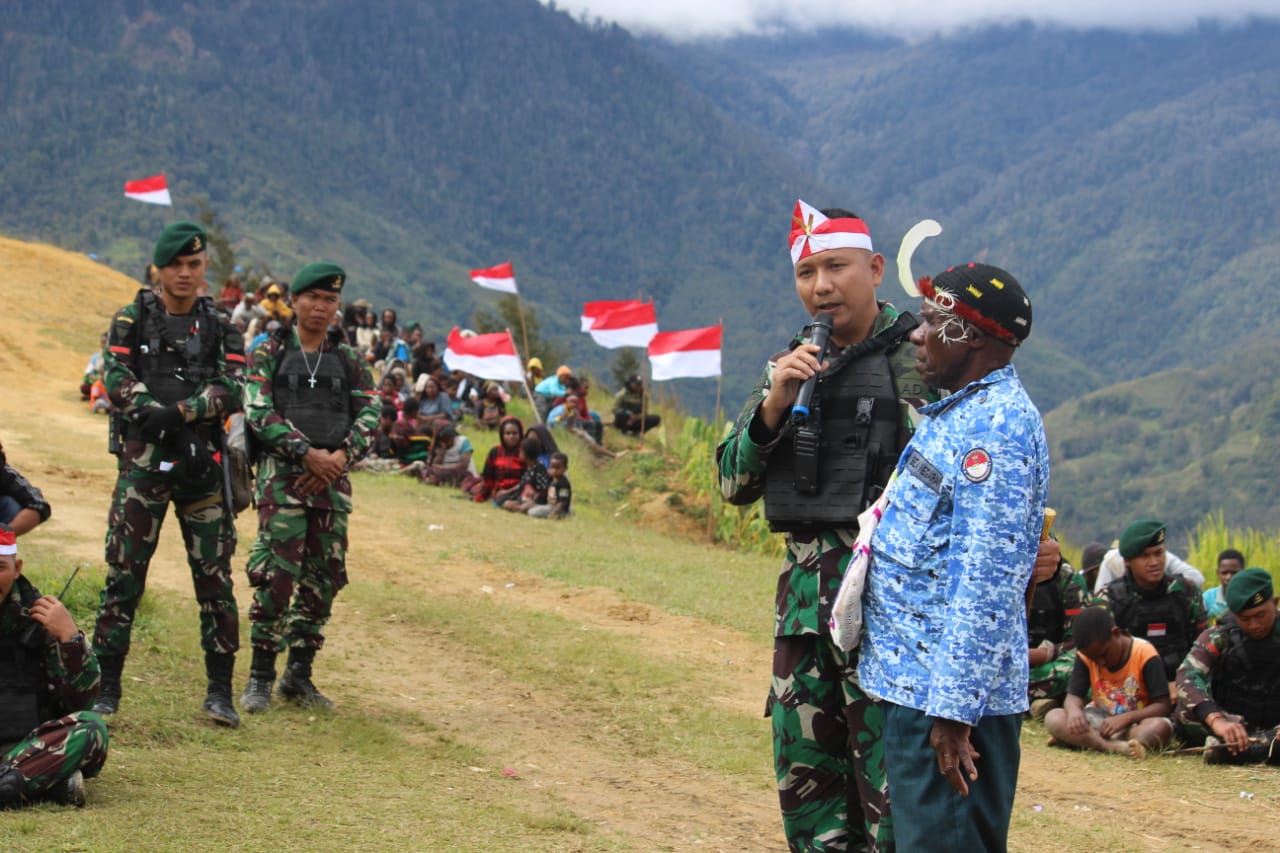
x=643, y=803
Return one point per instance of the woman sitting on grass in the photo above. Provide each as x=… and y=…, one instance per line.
x=503, y=467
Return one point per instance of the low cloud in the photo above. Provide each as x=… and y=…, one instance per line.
x=682, y=19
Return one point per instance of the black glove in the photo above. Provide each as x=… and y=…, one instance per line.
x=194, y=453
x=158, y=423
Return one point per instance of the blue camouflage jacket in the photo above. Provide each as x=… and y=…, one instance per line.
x=944, y=614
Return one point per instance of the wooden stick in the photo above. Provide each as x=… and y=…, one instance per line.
x=1193, y=750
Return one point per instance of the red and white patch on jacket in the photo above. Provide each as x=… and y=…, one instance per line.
x=976, y=465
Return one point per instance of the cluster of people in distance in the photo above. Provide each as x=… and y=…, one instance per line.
x=1128, y=653
x=173, y=372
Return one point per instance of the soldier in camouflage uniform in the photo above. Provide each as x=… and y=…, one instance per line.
x=1152, y=602
x=312, y=409
x=826, y=731
x=173, y=369
x=1052, y=655
x=49, y=741
x=1229, y=683
x=945, y=633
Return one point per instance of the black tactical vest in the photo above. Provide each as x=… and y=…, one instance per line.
x=21, y=670
x=824, y=477
x=1163, y=618
x=176, y=352
x=318, y=405
x=1248, y=680
x=1046, y=617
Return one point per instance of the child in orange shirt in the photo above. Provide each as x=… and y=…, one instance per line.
x=1130, y=705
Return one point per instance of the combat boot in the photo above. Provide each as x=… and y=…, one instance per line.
x=13, y=786
x=295, y=684
x=217, y=699
x=69, y=792
x=262, y=675
x=108, y=701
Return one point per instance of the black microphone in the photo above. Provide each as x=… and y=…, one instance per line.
x=819, y=334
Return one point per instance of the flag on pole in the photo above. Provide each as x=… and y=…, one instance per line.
x=632, y=326
x=502, y=277
x=484, y=356
x=689, y=353
x=153, y=190
x=593, y=310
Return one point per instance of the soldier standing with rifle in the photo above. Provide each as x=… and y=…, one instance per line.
x=311, y=408
x=173, y=369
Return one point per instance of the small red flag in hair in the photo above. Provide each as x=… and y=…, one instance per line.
x=502, y=277
x=152, y=190
x=690, y=353
x=484, y=356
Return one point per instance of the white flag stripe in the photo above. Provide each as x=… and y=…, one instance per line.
x=504, y=368
x=506, y=285
x=628, y=336
x=152, y=197
x=682, y=364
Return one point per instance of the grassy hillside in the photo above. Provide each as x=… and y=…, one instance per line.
x=503, y=684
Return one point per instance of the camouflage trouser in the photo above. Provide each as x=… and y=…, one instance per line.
x=58, y=748
x=828, y=753
x=296, y=567
x=138, y=508
x=1049, y=680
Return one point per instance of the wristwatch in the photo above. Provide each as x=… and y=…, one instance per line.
x=300, y=450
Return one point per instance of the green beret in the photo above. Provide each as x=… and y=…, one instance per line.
x=1249, y=588
x=1140, y=536
x=180, y=238
x=321, y=275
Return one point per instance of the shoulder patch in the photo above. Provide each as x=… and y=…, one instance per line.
x=976, y=465
x=925, y=472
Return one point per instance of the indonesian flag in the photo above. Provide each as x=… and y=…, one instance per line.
x=484, y=356
x=813, y=232
x=153, y=190
x=502, y=277
x=594, y=310
x=690, y=353
x=632, y=326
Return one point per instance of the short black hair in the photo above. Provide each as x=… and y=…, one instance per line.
x=839, y=213
x=1232, y=554
x=389, y=411
x=1092, y=626
x=530, y=446
x=559, y=457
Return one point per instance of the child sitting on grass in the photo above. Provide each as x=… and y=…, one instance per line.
x=1130, y=708
x=559, y=493
x=534, y=482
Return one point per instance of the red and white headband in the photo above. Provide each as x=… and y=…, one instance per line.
x=8, y=543
x=813, y=232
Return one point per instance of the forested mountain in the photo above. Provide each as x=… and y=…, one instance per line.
x=1130, y=181
x=409, y=140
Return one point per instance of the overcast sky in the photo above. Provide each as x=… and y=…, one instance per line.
x=912, y=18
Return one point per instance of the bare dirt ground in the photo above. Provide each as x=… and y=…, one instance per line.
x=58, y=303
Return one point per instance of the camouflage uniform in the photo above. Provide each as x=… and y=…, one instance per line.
x=302, y=540
x=1188, y=607
x=828, y=757
x=1217, y=658
x=1063, y=596
x=151, y=476
x=69, y=737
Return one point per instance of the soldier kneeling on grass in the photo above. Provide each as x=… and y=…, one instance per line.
x=1229, y=683
x=49, y=740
